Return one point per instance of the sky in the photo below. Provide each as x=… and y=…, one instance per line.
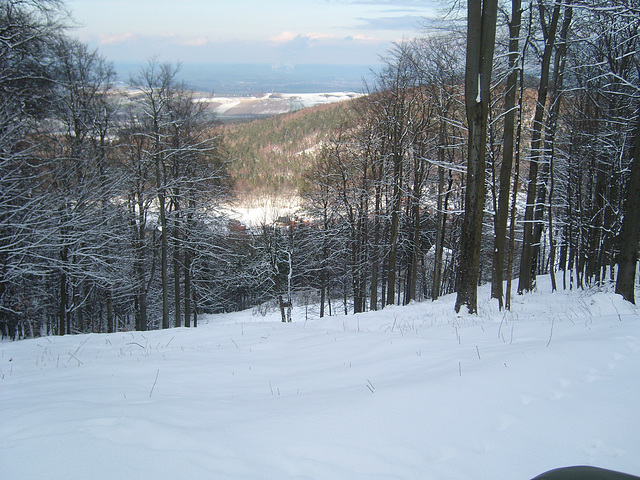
x=277, y=32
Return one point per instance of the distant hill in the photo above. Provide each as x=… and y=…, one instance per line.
x=270, y=155
x=234, y=108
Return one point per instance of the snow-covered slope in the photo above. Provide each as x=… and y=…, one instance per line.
x=413, y=392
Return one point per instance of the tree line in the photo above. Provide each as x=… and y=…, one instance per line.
x=270, y=155
x=504, y=150
x=497, y=152
x=106, y=196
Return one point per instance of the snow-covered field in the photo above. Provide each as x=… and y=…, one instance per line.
x=272, y=104
x=413, y=392
x=263, y=210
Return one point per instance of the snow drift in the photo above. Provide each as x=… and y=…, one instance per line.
x=413, y=392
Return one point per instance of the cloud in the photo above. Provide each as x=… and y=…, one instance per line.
x=322, y=36
x=286, y=48
x=284, y=37
x=364, y=39
x=295, y=48
x=412, y=4
x=313, y=38
x=404, y=23
x=170, y=38
x=292, y=47
x=195, y=42
x=111, y=39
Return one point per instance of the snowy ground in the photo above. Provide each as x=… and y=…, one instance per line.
x=413, y=392
x=272, y=104
x=264, y=210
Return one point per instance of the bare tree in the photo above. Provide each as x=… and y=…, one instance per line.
x=500, y=224
x=481, y=28
x=28, y=33
x=528, y=262
x=630, y=232
x=156, y=83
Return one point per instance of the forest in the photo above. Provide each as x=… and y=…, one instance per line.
x=497, y=148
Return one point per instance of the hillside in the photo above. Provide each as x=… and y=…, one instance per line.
x=233, y=109
x=269, y=155
x=413, y=392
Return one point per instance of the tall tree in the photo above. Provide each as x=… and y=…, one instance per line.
x=138, y=191
x=481, y=30
x=395, y=85
x=28, y=33
x=527, y=265
x=81, y=186
x=500, y=224
x=156, y=83
x=630, y=232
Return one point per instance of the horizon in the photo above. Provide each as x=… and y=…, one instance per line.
x=249, y=79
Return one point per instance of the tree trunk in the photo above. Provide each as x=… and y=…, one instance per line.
x=278, y=285
x=437, y=262
x=164, y=263
x=556, y=91
x=177, y=294
x=481, y=29
x=187, y=287
x=630, y=232
x=110, y=318
x=375, y=260
x=527, y=267
x=195, y=308
x=415, y=255
x=355, y=269
x=395, y=227
x=64, y=298
x=187, y=268
x=500, y=227
x=323, y=262
x=323, y=290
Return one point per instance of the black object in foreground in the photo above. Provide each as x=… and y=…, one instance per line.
x=584, y=473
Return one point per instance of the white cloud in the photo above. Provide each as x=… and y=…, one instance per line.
x=365, y=39
x=195, y=42
x=322, y=36
x=284, y=37
x=402, y=23
x=111, y=39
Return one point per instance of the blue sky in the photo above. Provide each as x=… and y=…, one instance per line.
x=249, y=31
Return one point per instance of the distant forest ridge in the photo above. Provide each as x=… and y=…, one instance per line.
x=252, y=79
x=270, y=156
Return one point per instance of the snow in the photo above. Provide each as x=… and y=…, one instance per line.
x=272, y=103
x=407, y=392
x=264, y=210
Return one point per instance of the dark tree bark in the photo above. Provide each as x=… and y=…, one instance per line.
x=377, y=218
x=440, y=223
x=481, y=31
x=176, y=266
x=395, y=217
x=63, y=316
x=187, y=272
x=527, y=266
x=550, y=137
x=500, y=227
x=630, y=233
x=164, y=242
